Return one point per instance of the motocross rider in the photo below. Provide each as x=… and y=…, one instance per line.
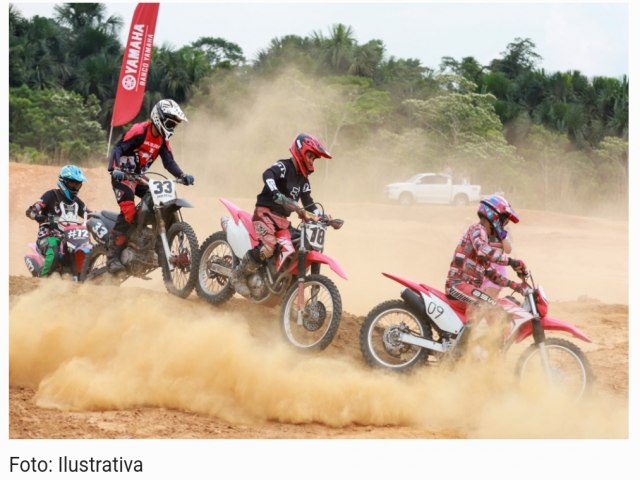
x=285, y=182
x=134, y=154
x=473, y=256
x=57, y=202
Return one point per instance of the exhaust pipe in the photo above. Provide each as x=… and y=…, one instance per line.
x=414, y=301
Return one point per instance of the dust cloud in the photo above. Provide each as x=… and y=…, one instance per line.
x=85, y=347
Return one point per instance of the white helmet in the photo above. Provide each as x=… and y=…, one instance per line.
x=165, y=115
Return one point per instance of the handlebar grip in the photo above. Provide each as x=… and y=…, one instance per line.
x=337, y=223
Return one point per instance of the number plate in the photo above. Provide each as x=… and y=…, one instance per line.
x=315, y=236
x=162, y=191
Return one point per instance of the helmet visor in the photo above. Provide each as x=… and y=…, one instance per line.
x=73, y=185
x=170, y=124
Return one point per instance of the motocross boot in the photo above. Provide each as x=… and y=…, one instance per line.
x=247, y=266
x=115, y=248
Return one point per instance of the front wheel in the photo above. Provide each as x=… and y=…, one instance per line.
x=179, y=272
x=379, y=336
x=314, y=326
x=569, y=371
x=216, y=263
x=94, y=265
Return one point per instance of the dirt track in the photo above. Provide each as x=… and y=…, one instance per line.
x=134, y=362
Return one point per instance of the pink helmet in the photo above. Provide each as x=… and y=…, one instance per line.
x=302, y=144
x=497, y=208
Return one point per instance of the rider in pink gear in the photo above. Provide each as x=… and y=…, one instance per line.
x=473, y=258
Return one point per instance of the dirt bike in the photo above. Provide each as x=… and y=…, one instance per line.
x=160, y=238
x=311, y=303
x=75, y=246
x=426, y=324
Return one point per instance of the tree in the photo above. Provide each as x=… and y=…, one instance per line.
x=219, y=52
x=61, y=124
x=519, y=57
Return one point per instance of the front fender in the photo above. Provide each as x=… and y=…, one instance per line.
x=550, y=323
x=181, y=202
x=317, y=257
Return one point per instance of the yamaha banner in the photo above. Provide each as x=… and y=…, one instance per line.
x=135, y=64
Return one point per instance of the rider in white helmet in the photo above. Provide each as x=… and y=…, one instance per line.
x=135, y=153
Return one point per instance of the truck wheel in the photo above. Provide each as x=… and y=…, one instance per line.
x=460, y=200
x=406, y=199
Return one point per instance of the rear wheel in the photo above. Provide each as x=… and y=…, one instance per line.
x=314, y=326
x=460, y=200
x=379, y=336
x=216, y=262
x=569, y=371
x=179, y=273
x=406, y=199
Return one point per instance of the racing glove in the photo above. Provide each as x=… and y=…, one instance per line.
x=279, y=198
x=187, y=179
x=518, y=287
x=117, y=175
x=517, y=265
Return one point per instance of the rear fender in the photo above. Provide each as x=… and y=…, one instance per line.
x=549, y=323
x=407, y=283
x=242, y=219
x=34, y=260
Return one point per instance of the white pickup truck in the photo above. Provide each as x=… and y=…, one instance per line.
x=432, y=188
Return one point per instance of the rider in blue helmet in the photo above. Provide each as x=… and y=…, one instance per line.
x=54, y=202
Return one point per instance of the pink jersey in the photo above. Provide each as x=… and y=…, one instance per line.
x=472, y=260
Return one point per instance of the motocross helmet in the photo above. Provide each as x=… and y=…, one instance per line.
x=499, y=212
x=70, y=181
x=302, y=144
x=166, y=115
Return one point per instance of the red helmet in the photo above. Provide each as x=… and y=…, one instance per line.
x=497, y=208
x=302, y=144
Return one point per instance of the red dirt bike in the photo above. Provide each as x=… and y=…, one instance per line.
x=311, y=303
x=74, y=250
x=426, y=324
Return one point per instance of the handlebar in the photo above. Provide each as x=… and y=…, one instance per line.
x=141, y=177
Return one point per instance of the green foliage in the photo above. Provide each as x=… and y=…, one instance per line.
x=550, y=139
x=60, y=124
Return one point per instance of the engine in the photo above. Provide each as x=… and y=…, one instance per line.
x=257, y=285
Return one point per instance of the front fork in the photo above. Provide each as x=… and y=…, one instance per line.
x=302, y=276
x=539, y=336
x=162, y=232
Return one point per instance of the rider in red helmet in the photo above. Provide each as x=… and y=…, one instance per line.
x=285, y=182
x=474, y=254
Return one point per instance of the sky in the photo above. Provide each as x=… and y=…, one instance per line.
x=586, y=36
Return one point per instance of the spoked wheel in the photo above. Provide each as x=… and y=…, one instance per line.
x=568, y=373
x=95, y=265
x=379, y=336
x=180, y=273
x=314, y=326
x=216, y=262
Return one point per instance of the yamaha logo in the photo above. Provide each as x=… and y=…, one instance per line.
x=129, y=82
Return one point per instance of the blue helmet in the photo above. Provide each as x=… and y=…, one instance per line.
x=70, y=181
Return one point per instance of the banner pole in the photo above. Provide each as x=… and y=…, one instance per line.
x=109, y=142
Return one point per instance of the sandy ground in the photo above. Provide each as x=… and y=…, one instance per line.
x=133, y=362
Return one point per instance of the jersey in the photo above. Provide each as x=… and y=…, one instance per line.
x=472, y=260
x=138, y=149
x=53, y=202
x=283, y=177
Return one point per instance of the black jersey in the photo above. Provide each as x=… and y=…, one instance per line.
x=53, y=202
x=282, y=176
